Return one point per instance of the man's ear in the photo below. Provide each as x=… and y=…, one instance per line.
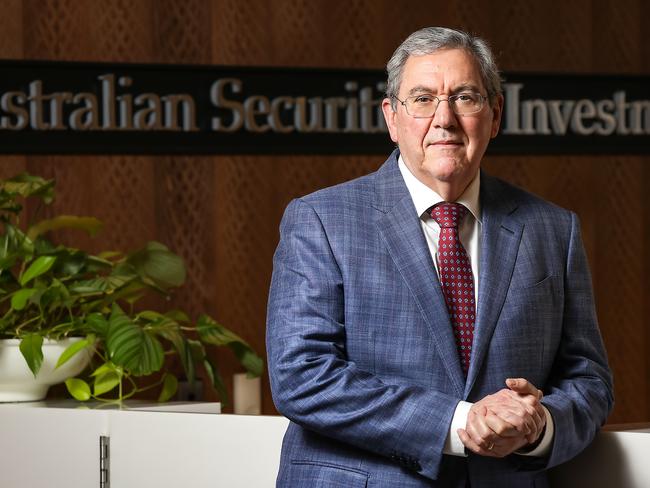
x=389, y=116
x=497, y=111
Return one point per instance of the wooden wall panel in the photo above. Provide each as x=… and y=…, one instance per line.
x=241, y=33
x=619, y=36
x=124, y=198
x=297, y=37
x=619, y=284
x=182, y=30
x=57, y=29
x=11, y=165
x=11, y=29
x=221, y=213
x=122, y=30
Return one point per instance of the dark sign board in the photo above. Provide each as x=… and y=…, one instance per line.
x=67, y=108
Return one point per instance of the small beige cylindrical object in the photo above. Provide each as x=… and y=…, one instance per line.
x=247, y=395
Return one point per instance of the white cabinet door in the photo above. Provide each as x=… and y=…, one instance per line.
x=172, y=450
x=46, y=448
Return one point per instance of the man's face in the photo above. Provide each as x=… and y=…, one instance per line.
x=445, y=151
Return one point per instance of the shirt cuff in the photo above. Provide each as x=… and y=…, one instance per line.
x=453, y=445
x=544, y=445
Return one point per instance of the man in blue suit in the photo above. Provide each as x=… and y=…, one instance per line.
x=415, y=312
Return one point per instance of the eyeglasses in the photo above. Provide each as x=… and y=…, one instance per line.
x=424, y=106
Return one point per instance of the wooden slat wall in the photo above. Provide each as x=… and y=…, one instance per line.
x=222, y=213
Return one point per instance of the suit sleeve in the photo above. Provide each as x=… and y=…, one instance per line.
x=579, y=394
x=313, y=381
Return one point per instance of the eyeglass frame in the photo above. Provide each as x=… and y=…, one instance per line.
x=403, y=103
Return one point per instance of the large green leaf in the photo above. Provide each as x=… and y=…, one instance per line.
x=6, y=262
x=15, y=244
x=151, y=315
x=249, y=359
x=104, y=368
x=128, y=345
x=26, y=185
x=31, y=347
x=44, y=247
x=170, y=386
x=217, y=382
x=79, y=389
x=158, y=264
x=19, y=299
x=41, y=265
x=98, y=324
x=211, y=332
x=101, y=284
x=70, y=263
x=73, y=349
x=181, y=345
x=89, y=224
x=56, y=296
x=178, y=316
x=96, y=263
x=105, y=382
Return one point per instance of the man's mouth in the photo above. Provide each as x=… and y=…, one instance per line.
x=446, y=142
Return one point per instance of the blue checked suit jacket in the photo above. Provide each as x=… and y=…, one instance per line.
x=362, y=357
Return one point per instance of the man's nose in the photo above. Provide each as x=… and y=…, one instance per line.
x=444, y=116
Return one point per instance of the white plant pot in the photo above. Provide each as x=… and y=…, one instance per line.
x=17, y=383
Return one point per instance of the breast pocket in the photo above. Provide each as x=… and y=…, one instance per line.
x=313, y=474
x=529, y=324
x=535, y=299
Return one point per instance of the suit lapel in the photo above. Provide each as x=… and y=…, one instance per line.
x=400, y=229
x=501, y=236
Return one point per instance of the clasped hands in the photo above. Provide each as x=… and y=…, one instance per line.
x=506, y=421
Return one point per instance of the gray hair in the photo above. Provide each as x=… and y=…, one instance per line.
x=431, y=39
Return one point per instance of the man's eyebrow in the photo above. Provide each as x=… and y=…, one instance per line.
x=460, y=88
x=467, y=87
x=420, y=89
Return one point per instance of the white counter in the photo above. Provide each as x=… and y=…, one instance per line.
x=619, y=457
x=191, y=445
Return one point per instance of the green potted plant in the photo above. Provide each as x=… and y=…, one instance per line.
x=90, y=303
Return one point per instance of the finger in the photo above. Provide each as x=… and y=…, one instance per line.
x=479, y=431
x=510, y=397
x=522, y=423
x=540, y=417
x=519, y=415
x=536, y=413
x=501, y=427
x=540, y=420
x=470, y=444
x=497, y=450
x=479, y=409
x=524, y=406
x=518, y=410
x=534, y=420
x=523, y=386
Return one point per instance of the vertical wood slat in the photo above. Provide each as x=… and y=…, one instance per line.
x=201, y=206
x=620, y=289
x=11, y=29
x=57, y=29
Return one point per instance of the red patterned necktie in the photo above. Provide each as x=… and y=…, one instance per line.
x=456, y=277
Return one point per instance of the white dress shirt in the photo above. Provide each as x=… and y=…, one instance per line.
x=470, y=237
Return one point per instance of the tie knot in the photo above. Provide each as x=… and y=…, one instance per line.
x=448, y=214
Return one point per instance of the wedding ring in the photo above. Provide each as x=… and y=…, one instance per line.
x=489, y=448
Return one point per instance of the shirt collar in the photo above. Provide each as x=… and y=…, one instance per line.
x=424, y=197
